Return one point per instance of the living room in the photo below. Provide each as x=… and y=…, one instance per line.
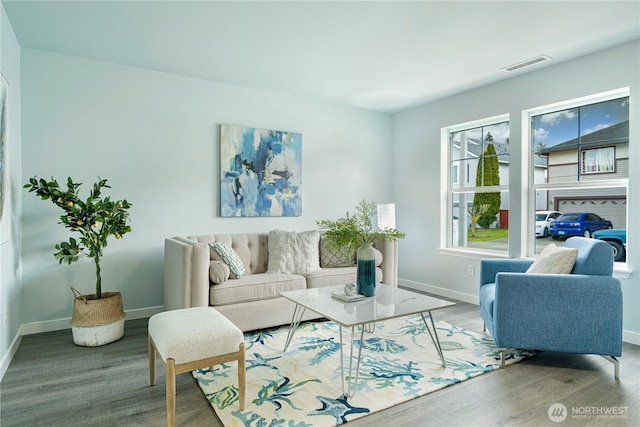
x=155, y=136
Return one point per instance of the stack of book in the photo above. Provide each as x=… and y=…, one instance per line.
x=347, y=298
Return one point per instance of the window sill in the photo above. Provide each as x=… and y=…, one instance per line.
x=622, y=271
x=473, y=253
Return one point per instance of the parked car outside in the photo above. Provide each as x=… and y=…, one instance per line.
x=617, y=238
x=544, y=220
x=577, y=224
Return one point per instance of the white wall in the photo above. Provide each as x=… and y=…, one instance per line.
x=155, y=137
x=10, y=301
x=416, y=178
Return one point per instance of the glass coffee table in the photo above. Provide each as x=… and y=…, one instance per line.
x=388, y=303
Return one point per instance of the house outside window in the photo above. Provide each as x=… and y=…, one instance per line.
x=580, y=160
x=477, y=158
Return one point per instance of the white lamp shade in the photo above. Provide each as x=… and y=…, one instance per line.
x=386, y=216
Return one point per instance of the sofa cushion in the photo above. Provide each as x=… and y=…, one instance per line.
x=330, y=277
x=229, y=257
x=218, y=271
x=554, y=260
x=332, y=256
x=293, y=252
x=335, y=276
x=254, y=287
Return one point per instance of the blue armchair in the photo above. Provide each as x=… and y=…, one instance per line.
x=579, y=312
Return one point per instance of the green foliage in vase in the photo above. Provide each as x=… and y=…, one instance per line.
x=95, y=218
x=353, y=230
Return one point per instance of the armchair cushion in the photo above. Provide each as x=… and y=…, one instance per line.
x=554, y=260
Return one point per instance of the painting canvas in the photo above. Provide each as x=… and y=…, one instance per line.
x=261, y=172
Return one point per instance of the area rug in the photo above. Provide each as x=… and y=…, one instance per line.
x=302, y=387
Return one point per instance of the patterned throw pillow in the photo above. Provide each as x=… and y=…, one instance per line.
x=331, y=257
x=229, y=257
x=554, y=260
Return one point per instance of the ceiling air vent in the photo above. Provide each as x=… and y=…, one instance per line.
x=526, y=63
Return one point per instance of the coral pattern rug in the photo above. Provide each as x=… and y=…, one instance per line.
x=302, y=387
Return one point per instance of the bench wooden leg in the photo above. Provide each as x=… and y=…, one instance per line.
x=241, y=376
x=171, y=392
x=152, y=362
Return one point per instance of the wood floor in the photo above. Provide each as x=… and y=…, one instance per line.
x=52, y=382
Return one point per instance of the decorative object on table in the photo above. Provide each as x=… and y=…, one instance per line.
x=261, y=172
x=98, y=318
x=357, y=233
x=302, y=387
x=344, y=296
x=350, y=289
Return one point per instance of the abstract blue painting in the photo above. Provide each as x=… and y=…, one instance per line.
x=261, y=172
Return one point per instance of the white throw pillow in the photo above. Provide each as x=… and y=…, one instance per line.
x=554, y=260
x=293, y=252
x=229, y=257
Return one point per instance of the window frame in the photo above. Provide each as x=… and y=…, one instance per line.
x=529, y=185
x=448, y=189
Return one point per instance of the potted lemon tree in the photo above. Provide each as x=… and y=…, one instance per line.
x=357, y=233
x=98, y=318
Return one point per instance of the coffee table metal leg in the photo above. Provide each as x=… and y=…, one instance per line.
x=298, y=312
x=352, y=383
x=434, y=335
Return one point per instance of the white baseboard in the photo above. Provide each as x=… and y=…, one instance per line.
x=8, y=357
x=59, y=324
x=448, y=293
x=631, y=337
x=627, y=336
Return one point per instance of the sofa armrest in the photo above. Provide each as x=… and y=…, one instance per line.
x=389, y=264
x=490, y=267
x=186, y=273
x=559, y=312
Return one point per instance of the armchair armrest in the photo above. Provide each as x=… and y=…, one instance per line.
x=489, y=268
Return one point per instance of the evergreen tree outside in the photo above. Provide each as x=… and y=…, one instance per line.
x=487, y=174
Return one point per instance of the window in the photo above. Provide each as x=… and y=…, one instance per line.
x=579, y=164
x=598, y=160
x=477, y=158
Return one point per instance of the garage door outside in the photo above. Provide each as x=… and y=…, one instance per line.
x=612, y=208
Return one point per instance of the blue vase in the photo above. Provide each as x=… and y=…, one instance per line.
x=366, y=272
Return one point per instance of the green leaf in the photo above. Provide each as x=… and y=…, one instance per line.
x=112, y=217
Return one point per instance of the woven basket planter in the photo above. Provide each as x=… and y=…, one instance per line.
x=97, y=322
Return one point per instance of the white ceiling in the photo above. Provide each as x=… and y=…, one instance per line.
x=384, y=56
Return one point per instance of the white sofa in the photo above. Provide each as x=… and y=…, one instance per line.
x=252, y=301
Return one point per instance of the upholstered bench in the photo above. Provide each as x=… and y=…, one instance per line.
x=193, y=338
